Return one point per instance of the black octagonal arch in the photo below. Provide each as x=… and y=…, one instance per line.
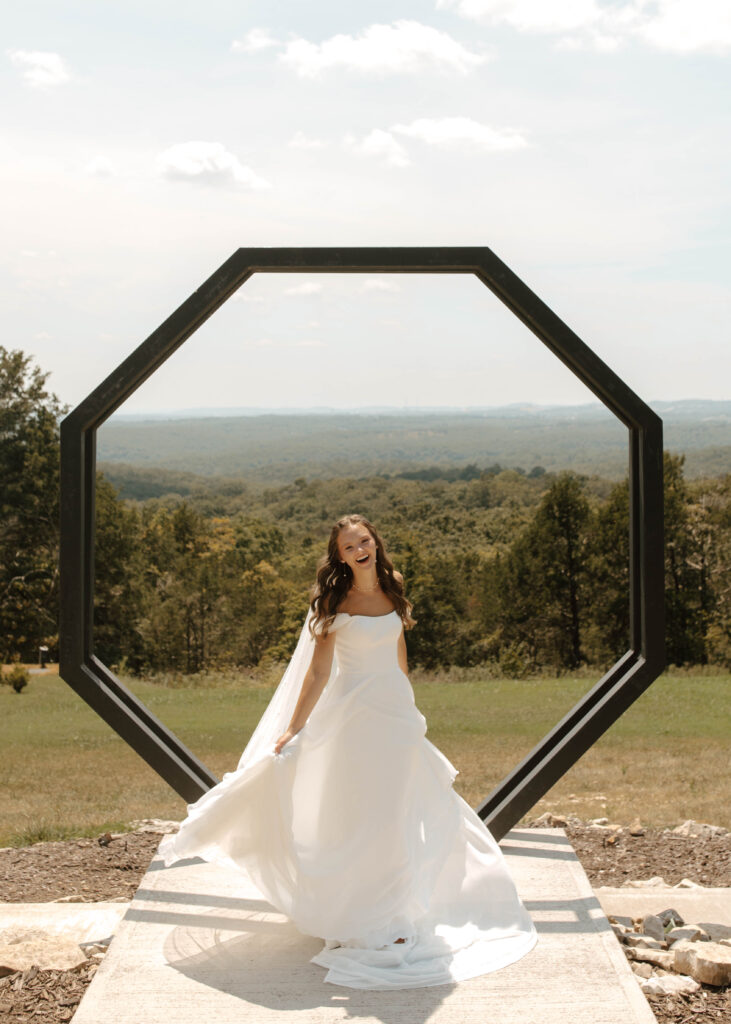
x=578, y=730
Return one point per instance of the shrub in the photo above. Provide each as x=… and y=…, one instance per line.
x=17, y=677
x=515, y=662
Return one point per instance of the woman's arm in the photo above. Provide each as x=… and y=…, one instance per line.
x=313, y=684
x=402, y=659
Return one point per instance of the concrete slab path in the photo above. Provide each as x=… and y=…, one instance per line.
x=694, y=905
x=199, y=944
x=79, y=922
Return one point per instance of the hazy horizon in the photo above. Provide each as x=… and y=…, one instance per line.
x=193, y=412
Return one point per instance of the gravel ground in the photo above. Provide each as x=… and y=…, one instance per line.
x=611, y=859
x=111, y=867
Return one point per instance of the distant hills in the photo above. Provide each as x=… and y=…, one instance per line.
x=275, y=447
x=687, y=408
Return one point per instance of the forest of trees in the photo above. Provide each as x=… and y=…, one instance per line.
x=521, y=571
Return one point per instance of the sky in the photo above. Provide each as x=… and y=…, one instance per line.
x=586, y=142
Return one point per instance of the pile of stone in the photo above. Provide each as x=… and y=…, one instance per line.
x=670, y=956
x=48, y=936
x=25, y=948
x=698, y=830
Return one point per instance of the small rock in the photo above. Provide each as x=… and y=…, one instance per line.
x=687, y=883
x=548, y=820
x=642, y=970
x=668, y=985
x=654, y=927
x=643, y=941
x=656, y=882
x=105, y=840
x=658, y=957
x=666, y=916
x=73, y=898
x=636, y=828
x=619, y=930
x=699, y=830
x=716, y=932
x=45, y=952
x=626, y=922
x=92, y=948
x=707, y=962
x=599, y=822
x=160, y=825
x=691, y=932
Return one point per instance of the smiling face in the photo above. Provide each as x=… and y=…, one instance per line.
x=357, y=548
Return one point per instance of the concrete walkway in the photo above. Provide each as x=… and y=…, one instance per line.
x=694, y=905
x=198, y=945
x=79, y=922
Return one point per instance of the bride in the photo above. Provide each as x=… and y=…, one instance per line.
x=343, y=813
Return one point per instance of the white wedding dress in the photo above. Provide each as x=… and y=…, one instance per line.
x=355, y=833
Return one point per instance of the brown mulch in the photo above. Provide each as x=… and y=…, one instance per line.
x=113, y=868
x=46, y=996
x=46, y=871
x=108, y=870
x=704, y=1007
x=611, y=859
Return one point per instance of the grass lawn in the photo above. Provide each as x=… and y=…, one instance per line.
x=63, y=772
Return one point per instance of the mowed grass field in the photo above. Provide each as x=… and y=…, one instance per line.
x=64, y=773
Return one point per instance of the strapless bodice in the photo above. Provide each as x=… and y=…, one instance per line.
x=365, y=644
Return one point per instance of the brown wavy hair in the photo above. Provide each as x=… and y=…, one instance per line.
x=334, y=579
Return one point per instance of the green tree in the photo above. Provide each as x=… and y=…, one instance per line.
x=684, y=571
x=715, y=500
x=181, y=590
x=544, y=577
x=29, y=446
x=119, y=587
x=608, y=635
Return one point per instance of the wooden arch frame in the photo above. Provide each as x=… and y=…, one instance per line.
x=591, y=716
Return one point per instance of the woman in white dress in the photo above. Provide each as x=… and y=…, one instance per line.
x=343, y=813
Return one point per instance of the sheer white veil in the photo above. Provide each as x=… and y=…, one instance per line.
x=279, y=711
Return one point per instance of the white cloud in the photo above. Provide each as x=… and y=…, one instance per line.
x=456, y=131
x=40, y=68
x=379, y=284
x=255, y=40
x=680, y=26
x=381, y=145
x=100, y=167
x=687, y=26
x=597, y=40
x=405, y=47
x=301, y=141
x=306, y=288
x=529, y=15
x=207, y=162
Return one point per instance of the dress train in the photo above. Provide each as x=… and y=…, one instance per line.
x=355, y=833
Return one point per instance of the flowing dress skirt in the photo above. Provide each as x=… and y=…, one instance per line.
x=355, y=833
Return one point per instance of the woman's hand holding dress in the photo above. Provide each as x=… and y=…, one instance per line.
x=284, y=739
x=312, y=686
